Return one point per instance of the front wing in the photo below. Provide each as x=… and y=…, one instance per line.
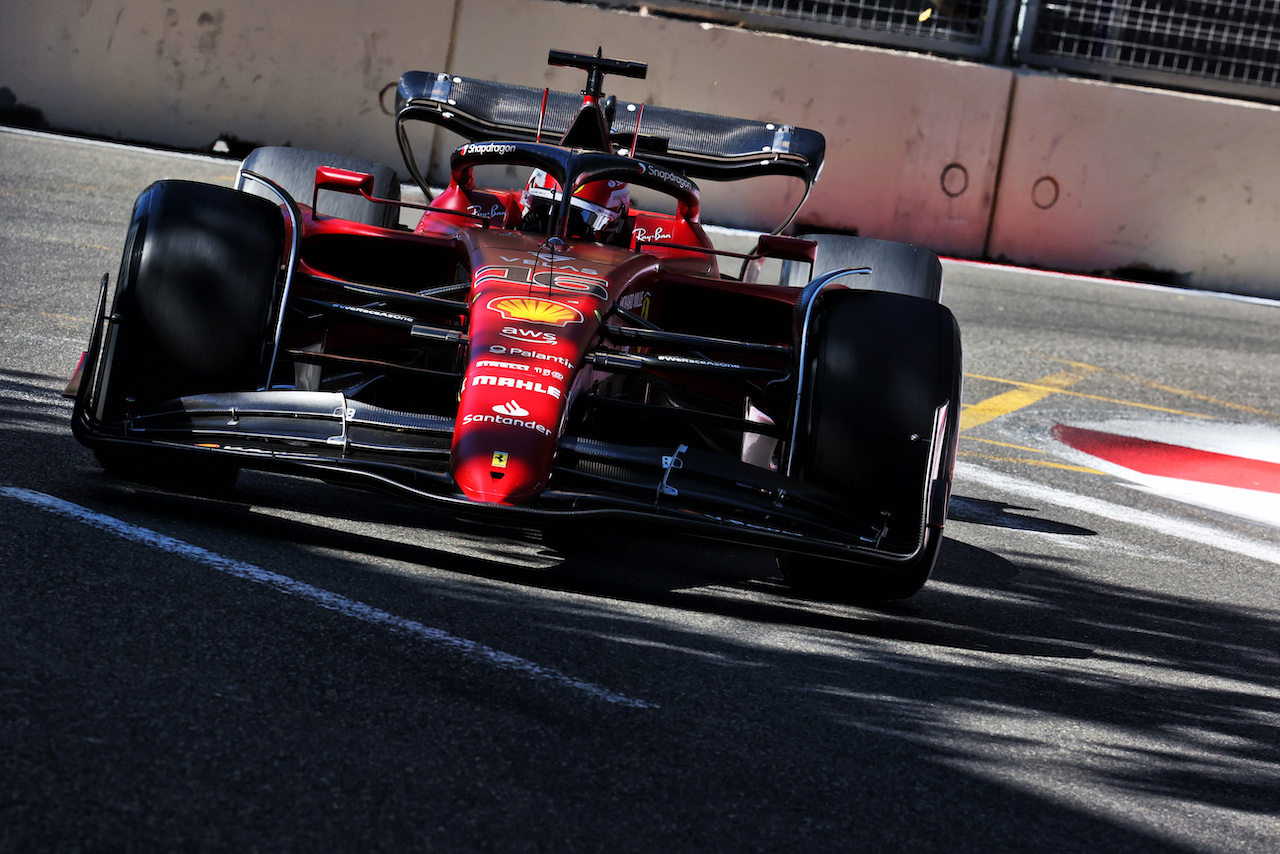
x=338, y=439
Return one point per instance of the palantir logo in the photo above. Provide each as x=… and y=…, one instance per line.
x=511, y=408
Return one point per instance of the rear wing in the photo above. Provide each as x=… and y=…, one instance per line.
x=699, y=145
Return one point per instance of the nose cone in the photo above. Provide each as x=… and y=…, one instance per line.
x=500, y=466
x=529, y=329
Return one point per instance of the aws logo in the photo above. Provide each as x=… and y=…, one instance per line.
x=535, y=310
x=529, y=336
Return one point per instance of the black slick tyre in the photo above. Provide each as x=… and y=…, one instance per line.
x=294, y=169
x=193, y=313
x=878, y=368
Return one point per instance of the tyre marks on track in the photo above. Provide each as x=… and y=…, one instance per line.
x=1034, y=392
x=1168, y=389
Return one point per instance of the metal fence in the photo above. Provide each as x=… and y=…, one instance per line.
x=1228, y=47
x=962, y=28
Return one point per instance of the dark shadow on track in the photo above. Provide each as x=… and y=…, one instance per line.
x=29, y=400
x=1001, y=515
x=879, y=715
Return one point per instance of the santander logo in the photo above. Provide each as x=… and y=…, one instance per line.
x=511, y=408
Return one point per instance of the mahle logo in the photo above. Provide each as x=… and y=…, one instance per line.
x=516, y=384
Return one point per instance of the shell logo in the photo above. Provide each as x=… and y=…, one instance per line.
x=535, y=310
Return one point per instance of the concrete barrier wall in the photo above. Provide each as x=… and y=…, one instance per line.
x=917, y=146
x=183, y=73
x=1185, y=188
x=309, y=74
x=894, y=122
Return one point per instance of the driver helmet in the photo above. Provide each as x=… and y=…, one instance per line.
x=598, y=211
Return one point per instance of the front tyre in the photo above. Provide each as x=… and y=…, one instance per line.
x=880, y=370
x=193, y=313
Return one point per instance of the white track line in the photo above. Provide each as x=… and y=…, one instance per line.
x=118, y=146
x=1119, y=283
x=1170, y=527
x=318, y=596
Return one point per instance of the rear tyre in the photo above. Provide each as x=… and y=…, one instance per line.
x=896, y=268
x=879, y=365
x=294, y=169
x=193, y=310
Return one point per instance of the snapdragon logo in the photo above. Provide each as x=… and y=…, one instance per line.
x=488, y=148
x=670, y=177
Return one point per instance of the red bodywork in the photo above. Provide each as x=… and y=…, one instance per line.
x=534, y=316
x=535, y=312
x=491, y=362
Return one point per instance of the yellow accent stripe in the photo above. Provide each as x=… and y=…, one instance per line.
x=1041, y=386
x=1044, y=463
x=1182, y=392
x=1003, y=444
x=8, y=307
x=1011, y=401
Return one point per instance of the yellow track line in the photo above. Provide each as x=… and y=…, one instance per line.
x=1045, y=388
x=1182, y=392
x=1044, y=463
x=8, y=307
x=1004, y=444
x=1011, y=401
x=1028, y=393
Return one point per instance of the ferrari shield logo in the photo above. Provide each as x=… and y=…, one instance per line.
x=499, y=459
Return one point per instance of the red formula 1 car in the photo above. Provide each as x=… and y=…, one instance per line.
x=552, y=351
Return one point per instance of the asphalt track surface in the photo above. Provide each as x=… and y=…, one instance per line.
x=1095, y=665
